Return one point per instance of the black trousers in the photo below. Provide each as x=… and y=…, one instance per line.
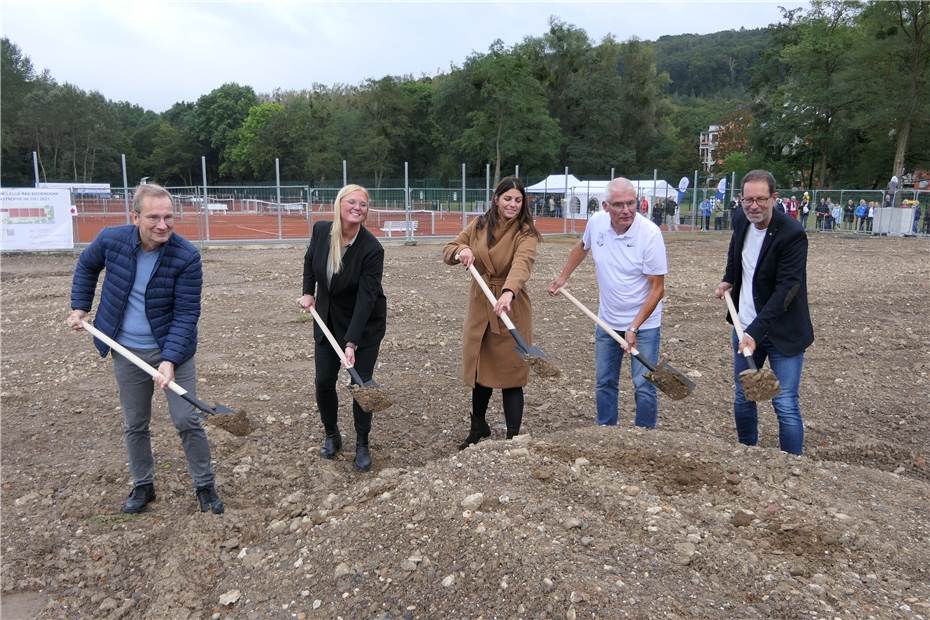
x=328, y=366
x=512, y=400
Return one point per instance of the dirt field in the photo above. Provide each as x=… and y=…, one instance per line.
x=572, y=521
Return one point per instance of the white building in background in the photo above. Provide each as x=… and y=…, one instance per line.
x=708, y=146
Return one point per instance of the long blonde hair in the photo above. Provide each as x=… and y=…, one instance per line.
x=335, y=233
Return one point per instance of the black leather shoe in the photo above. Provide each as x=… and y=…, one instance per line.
x=512, y=432
x=138, y=498
x=209, y=500
x=479, y=430
x=362, y=457
x=331, y=445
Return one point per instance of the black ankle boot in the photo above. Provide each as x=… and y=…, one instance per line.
x=331, y=445
x=512, y=432
x=138, y=498
x=362, y=454
x=479, y=430
x=209, y=500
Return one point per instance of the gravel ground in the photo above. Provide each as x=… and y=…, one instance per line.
x=567, y=521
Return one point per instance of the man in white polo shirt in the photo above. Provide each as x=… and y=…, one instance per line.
x=630, y=263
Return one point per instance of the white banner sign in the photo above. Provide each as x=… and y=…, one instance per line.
x=35, y=219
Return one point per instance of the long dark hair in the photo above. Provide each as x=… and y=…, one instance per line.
x=491, y=217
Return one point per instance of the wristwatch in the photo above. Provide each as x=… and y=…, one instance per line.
x=633, y=330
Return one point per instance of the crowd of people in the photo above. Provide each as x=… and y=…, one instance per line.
x=150, y=303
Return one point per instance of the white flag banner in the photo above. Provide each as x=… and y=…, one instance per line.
x=35, y=219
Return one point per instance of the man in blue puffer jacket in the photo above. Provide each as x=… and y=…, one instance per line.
x=149, y=303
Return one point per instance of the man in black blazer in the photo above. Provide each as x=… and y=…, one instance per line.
x=766, y=274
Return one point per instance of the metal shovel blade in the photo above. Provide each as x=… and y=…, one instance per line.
x=535, y=357
x=673, y=383
x=759, y=385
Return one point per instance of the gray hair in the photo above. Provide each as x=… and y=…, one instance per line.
x=620, y=184
x=148, y=190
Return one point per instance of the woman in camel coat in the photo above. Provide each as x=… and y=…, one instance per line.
x=502, y=245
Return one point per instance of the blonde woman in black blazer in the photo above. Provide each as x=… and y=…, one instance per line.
x=342, y=280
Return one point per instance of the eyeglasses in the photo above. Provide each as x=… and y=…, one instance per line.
x=747, y=202
x=629, y=205
x=155, y=219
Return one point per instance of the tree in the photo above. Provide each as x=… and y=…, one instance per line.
x=511, y=119
x=895, y=51
x=217, y=117
x=16, y=76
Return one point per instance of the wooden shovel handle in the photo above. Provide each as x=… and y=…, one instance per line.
x=332, y=340
x=607, y=328
x=490, y=295
x=734, y=315
x=132, y=357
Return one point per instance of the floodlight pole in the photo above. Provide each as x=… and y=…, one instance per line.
x=125, y=188
x=345, y=176
x=464, y=218
x=611, y=174
x=516, y=171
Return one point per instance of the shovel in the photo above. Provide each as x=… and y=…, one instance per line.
x=758, y=383
x=237, y=423
x=367, y=394
x=534, y=356
x=672, y=382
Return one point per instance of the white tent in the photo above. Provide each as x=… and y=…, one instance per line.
x=587, y=196
x=554, y=184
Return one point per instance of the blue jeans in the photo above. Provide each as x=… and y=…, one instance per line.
x=788, y=370
x=607, y=358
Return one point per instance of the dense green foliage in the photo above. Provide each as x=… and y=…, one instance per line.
x=834, y=95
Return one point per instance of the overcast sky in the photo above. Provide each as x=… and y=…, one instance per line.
x=157, y=53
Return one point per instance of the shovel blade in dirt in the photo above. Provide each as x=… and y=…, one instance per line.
x=535, y=357
x=370, y=396
x=759, y=384
x=672, y=382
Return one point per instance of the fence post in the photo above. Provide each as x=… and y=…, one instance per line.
x=277, y=178
x=565, y=204
x=464, y=218
x=516, y=171
x=206, y=215
x=487, y=185
x=611, y=174
x=407, y=214
x=694, y=200
x=35, y=166
x=655, y=178
x=345, y=176
x=125, y=187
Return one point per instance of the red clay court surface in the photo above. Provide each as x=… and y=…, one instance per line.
x=252, y=227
